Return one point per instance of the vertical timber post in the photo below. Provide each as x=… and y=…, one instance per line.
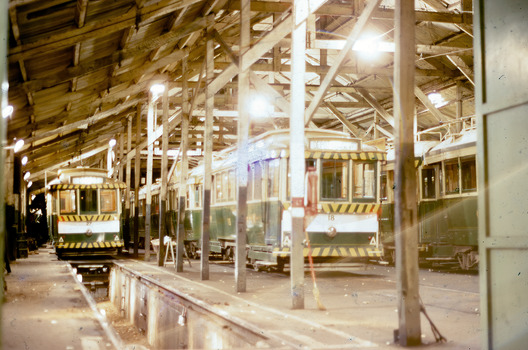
x=150, y=164
x=126, y=234
x=405, y=216
x=137, y=179
x=164, y=164
x=297, y=163
x=242, y=152
x=208, y=152
x=3, y=104
x=121, y=152
x=459, y=111
x=184, y=167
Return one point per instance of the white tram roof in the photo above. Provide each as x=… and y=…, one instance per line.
x=420, y=149
x=83, y=176
x=275, y=144
x=455, y=145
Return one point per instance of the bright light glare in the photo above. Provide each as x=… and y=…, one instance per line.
x=30, y=183
x=437, y=99
x=7, y=111
x=370, y=46
x=27, y=175
x=112, y=143
x=18, y=145
x=259, y=107
x=157, y=89
x=24, y=160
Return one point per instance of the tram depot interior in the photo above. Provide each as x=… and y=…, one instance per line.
x=82, y=76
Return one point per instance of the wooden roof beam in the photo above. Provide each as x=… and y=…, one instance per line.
x=80, y=12
x=462, y=67
x=14, y=25
x=430, y=106
x=346, y=10
x=377, y=106
x=332, y=73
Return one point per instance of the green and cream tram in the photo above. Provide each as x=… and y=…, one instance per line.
x=84, y=209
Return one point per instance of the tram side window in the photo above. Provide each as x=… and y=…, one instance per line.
x=88, y=201
x=334, y=179
x=257, y=181
x=273, y=178
x=451, y=177
x=383, y=184
x=155, y=203
x=68, y=200
x=428, y=183
x=108, y=201
x=218, y=180
x=469, y=175
x=197, y=194
x=231, y=180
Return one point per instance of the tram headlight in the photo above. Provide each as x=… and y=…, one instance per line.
x=331, y=232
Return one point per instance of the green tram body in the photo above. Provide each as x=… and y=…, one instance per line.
x=345, y=229
x=447, y=202
x=85, y=213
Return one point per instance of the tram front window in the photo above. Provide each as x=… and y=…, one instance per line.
x=88, y=201
x=68, y=202
x=108, y=201
x=364, y=181
x=334, y=184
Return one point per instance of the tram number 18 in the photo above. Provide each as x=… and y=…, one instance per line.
x=331, y=217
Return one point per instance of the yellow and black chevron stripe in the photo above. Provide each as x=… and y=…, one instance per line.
x=89, y=245
x=84, y=187
x=346, y=208
x=78, y=218
x=347, y=155
x=350, y=208
x=333, y=252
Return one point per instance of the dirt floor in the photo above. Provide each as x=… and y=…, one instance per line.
x=128, y=333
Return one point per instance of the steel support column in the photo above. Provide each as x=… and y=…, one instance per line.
x=405, y=216
x=297, y=164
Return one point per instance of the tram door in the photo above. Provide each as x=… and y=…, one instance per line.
x=501, y=98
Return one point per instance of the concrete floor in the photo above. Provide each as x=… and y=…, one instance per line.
x=361, y=304
x=45, y=309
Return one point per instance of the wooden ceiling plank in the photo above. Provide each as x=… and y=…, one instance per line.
x=151, y=13
x=71, y=37
x=39, y=173
x=96, y=117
